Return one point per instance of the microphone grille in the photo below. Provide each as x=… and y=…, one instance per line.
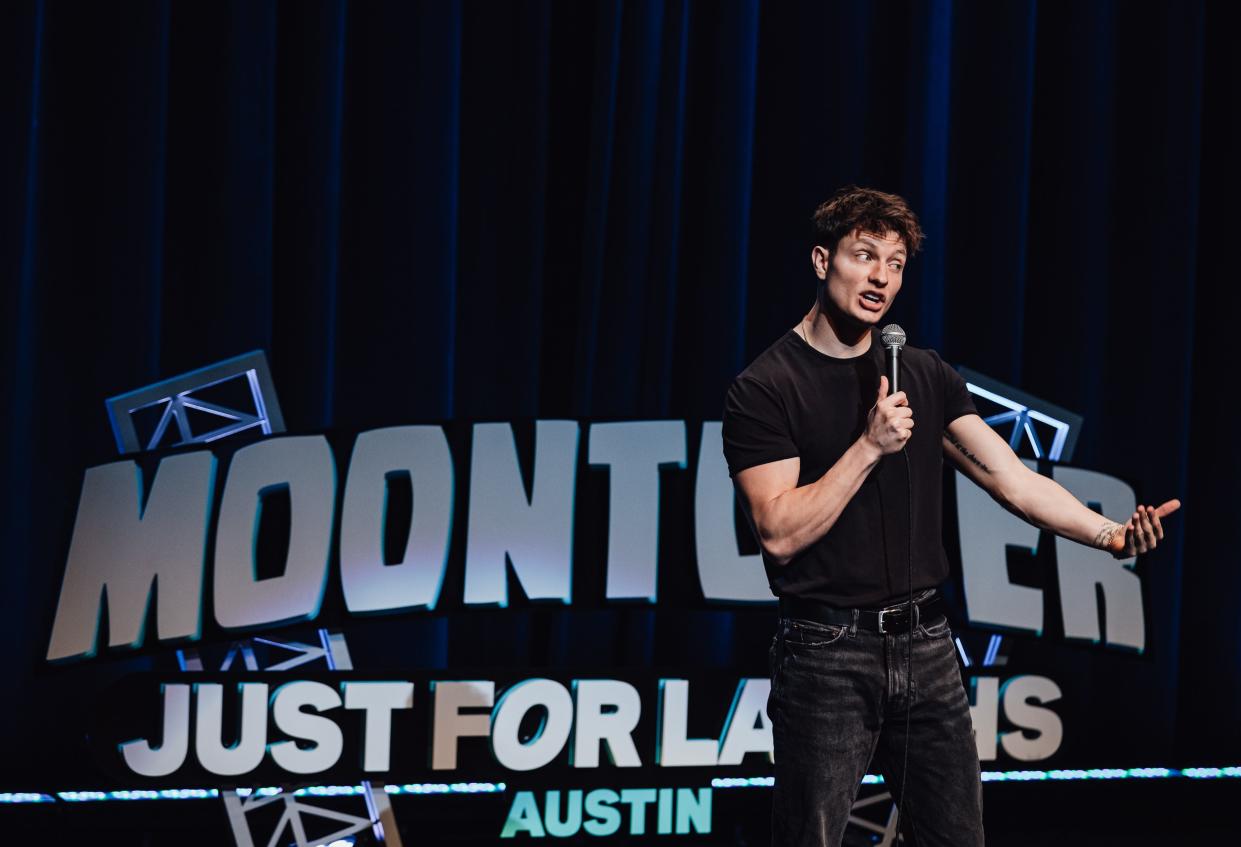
x=893, y=336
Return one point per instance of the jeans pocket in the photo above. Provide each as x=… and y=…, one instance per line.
x=935, y=628
x=813, y=635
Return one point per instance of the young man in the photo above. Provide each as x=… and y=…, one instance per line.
x=842, y=490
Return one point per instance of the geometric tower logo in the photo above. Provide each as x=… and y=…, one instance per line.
x=205, y=405
x=1034, y=428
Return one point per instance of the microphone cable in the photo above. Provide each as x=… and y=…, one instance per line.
x=893, y=338
x=909, y=644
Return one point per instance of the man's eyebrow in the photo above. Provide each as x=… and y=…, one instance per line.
x=875, y=247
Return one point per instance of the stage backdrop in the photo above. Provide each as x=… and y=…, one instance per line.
x=459, y=213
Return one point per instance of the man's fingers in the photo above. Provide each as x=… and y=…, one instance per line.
x=1153, y=528
x=1148, y=529
x=1144, y=530
x=1168, y=508
x=899, y=398
x=1139, y=534
x=883, y=388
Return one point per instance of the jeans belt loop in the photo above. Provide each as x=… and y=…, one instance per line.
x=853, y=629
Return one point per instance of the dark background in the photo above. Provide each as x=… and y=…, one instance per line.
x=430, y=211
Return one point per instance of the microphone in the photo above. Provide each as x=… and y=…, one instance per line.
x=893, y=339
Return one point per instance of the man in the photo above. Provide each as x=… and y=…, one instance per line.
x=842, y=490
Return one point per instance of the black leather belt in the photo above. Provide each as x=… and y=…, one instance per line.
x=888, y=619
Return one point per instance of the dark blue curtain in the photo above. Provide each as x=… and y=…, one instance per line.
x=428, y=211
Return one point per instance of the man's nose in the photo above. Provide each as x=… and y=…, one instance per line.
x=879, y=276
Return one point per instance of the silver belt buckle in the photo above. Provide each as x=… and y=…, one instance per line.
x=917, y=615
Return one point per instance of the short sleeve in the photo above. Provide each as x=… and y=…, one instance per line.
x=957, y=398
x=755, y=427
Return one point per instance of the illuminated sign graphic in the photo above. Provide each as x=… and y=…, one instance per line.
x=259, y=727
x=215, y=526
x=142, y=534
x=601, y=812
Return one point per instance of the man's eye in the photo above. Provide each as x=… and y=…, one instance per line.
x=896, y=266
x=864, y=255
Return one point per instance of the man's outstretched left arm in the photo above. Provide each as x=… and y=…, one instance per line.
x=987, y=459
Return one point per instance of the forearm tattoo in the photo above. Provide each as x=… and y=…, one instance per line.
x=966, y=453
x=1107, y=535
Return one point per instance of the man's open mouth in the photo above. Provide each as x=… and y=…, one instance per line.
x=872, y=300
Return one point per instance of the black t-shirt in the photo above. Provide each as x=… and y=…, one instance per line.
x=795, y=401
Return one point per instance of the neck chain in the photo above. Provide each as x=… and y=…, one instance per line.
x=802, y=328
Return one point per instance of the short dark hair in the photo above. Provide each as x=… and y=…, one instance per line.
x=867, y=210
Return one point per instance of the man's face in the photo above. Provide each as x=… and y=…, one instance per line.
x=862, y=274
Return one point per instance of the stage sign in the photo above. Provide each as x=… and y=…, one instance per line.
x=539, y=729
x=234, y=538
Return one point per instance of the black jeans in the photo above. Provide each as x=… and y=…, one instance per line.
x=838, y=699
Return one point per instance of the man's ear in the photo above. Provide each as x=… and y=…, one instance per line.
x=820, y=260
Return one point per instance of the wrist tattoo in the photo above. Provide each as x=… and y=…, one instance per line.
x=966, y=453
x=1107, y=535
